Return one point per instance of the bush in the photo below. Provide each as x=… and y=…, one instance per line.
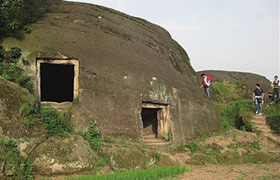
x=14, y=161
x=15, y=15
x=25, y=82
x=30, y=111
x=273, y=117
x=15, y=54
x=93, y=137
x=55, y=124
x=192, y=146
x=10, y=71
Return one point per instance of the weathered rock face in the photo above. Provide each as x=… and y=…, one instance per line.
x=130, y=159
x=124, y=61
x=248, y=79
x=63, y=155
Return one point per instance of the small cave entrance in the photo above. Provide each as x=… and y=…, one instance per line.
x=155, y=119
x=150, y=122
x=57, y=80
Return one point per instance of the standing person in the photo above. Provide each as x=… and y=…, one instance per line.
x=275, y=88
x=206, y=83
x=258, y=97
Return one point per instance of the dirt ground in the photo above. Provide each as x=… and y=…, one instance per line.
x=245, y=171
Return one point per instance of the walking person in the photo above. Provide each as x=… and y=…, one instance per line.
x=206, y=83
x=258, y=98
x=275, y=88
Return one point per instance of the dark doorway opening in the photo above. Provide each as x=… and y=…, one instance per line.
x=150, y=121
x=57, y=82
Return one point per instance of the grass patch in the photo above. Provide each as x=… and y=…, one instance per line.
x=149, y=174
x=235, y=109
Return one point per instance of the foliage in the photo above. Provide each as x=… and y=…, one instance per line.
x=192, y=146
x=234, y=106
x=13, y=160
x=149, y=174
x=30, y=111
x=9, y=69
x=16, y=14
x=273, y=117
x=93, y=137
x=225, y=92
x=157, y=156
x=55, y=124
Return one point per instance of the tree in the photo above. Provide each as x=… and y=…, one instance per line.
x=16, y=14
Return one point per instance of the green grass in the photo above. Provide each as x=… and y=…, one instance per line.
x=273, y=117
x=149, y=174
x=235, y=107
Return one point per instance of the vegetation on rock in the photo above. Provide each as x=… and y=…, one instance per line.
x=11, y=71
x=273, y=116
x=12, y=164
x=93, y=137
x=55, y=124
x=16, y=15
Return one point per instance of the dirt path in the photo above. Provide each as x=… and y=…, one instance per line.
x=259, y=124
x=245, y=171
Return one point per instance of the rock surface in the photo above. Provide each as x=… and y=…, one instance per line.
x=130, y=159
x=63, y=156
x=124, y=61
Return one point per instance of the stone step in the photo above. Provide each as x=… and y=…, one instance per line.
x=149, y=136
x=153, y=141
x=158, y=144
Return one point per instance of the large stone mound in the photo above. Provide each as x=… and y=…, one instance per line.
x=124, y=61
x=63, y=156
x=247, y=79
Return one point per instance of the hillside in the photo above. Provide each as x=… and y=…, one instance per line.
x=243, y=78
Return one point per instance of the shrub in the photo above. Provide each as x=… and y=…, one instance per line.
x=55, y=124
x=13, y=160
x=15, y=15
x=30, y=111
x=192, y=146
x=25, y=82
x=15, y=54
x=273, y=116
x=93, y=137
x=10, y=71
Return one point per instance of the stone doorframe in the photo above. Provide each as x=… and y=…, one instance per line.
x=163, y=116
x=65, y=61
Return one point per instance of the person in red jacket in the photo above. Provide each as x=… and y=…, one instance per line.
x=206, y=83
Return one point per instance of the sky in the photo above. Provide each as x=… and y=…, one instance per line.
x=232, y=35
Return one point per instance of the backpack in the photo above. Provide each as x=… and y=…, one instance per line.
x=210, y=80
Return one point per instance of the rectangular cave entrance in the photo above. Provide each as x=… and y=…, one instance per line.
x=57, y=80
x=155, y=119
x=150, y=122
